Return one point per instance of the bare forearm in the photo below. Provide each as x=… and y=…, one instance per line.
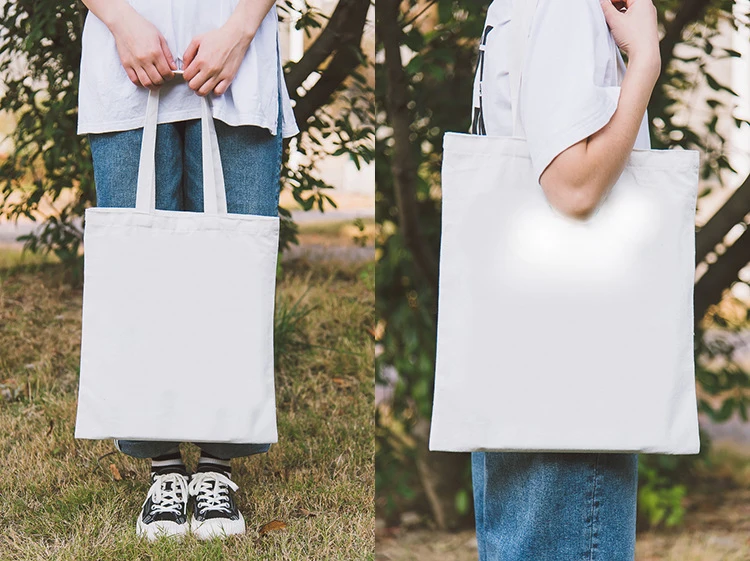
x=247, y=17
x=581, y=175
x=109, y=11
x=608, y=149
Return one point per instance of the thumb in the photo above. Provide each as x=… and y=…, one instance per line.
x=610, y=12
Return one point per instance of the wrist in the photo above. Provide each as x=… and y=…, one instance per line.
x=243, y=31
x=113, y=14
x=647, y=63
x=645, y=57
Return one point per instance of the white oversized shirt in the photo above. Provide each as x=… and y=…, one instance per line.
x=109, y=101
x=570, y=84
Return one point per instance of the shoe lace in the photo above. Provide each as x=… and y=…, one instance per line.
x=167, y=493
x=211, y=490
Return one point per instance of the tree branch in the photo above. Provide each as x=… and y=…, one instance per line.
x=343, y=64
x=731, y=212
x=344, y=27
x=689, y=12
x=343, y=40
x=720, y=275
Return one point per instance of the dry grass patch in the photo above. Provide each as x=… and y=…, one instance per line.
x=60, y=500
x=338, y=233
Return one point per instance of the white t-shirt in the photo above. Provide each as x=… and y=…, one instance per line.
x=570, y=84
x=109, y=101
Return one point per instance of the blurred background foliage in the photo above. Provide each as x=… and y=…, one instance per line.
x=426, y=56
x=47, y=175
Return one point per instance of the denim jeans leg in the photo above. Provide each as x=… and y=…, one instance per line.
x=478, y=484
x=251, y=162
x=116, y=157
x=552, y=506
x=229, y=451
x=146, y=448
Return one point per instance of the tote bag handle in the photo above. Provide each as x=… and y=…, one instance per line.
x=521, y=20
x=214, y=194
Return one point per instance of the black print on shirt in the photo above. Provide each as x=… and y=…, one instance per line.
x=477, y=120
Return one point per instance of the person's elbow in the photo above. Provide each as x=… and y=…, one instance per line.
x=573, y=190
x=575, y=200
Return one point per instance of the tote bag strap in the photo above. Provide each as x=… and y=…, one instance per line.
x=214, y=193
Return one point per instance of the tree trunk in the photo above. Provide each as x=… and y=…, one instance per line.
x=404, y=164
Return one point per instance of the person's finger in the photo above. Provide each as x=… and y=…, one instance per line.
x=132, y=75
x=167, y=53
x=189, y=55
x=222, y=87
x=191, y=71
x=208, y=86
x=143, y=77
x=162, y=67
x=155, y=75
x=198, y=80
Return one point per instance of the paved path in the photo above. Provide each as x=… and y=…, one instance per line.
x=9, y=232
x=315, y=252
x=333, y=215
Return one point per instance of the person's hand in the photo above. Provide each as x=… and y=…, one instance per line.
x=143, y=50
x=213, y=58
x=635, y=29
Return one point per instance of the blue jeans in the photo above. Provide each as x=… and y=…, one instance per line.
x=251, y=159
x=555, y=506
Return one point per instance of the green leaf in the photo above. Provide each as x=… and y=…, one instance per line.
x=462, y=502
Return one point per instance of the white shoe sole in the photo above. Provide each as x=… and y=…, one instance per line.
x=217, y=527
x=160, y=528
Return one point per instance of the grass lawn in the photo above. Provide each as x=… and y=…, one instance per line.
x=339, y=233
x=65, y=499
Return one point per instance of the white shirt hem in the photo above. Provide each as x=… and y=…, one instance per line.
x=233, y=120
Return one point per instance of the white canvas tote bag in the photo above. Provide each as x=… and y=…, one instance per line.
x=556, y=334
x=177, y=341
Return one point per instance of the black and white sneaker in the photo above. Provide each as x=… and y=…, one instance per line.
x=214, y=512
x=164, y=512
